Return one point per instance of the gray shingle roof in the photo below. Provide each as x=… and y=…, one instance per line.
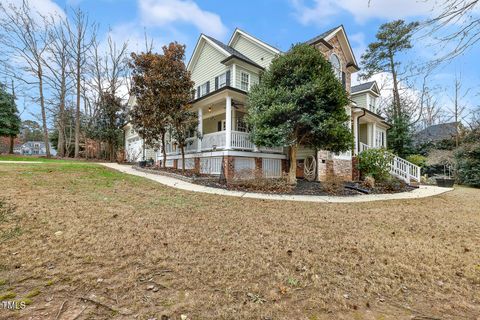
x=362, y=87
x=234, y=52
x=435, y=133
x=323, y=35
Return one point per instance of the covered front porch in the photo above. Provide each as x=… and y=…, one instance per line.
x=221, y=125
x=370, y=130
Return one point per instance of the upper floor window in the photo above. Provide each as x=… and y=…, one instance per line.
x=222, y=80
x=245, y=81
x=336, y=65
x=373, y=104
x=203, y=89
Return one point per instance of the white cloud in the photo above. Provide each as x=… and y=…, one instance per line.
x=162, y=13
x=322, y=11
x=42, y=7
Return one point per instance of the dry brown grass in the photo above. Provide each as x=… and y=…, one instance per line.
x=213, y=257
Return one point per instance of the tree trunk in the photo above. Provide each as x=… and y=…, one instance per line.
x=61, y=121
x=44, y=114
x=77, y=115
x=111, y=151
x=292, y=172
x=164, y=151
x=12, y=142
x=396, y=94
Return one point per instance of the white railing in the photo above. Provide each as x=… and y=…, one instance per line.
x=241, y=141
x=363, y=147
x=191, y=145
x=404, y=170
x=216, y=139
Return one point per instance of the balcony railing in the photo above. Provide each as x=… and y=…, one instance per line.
x=217, y=141
x=214, y=140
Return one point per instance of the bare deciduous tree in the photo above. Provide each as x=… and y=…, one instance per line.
x=26, y=38
x=82, y=35
x=59, y=75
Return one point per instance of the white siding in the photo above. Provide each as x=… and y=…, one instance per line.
x=208, y=66
x=303, y=152
x=253, y=51
x=361, y=100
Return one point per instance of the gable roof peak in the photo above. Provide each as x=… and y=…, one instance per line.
x=252, y=38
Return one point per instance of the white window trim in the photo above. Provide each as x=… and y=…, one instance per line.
x=242, y=73
x=203, y=89
x=222, y=82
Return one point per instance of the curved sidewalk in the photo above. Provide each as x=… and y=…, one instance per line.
x=422, y=192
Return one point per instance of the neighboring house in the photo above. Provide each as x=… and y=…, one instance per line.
x=36, y=148
x=372, y=128
x=436, y=133
x=223, y=75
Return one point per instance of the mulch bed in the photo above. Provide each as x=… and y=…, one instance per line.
x=305, y=187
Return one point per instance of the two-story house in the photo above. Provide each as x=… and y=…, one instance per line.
x=223, y=75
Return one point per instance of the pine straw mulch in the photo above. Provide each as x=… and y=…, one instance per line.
x=91, y=243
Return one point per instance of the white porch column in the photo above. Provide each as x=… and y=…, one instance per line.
x=374, y=132
x=228, y=123
x=369, y=135
x=355, y=134
x=233, y=82
x=200, y=129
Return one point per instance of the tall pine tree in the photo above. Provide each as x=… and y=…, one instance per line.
x=382, y=56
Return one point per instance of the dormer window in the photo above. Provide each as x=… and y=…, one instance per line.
x=245, y=81
x=336, y=65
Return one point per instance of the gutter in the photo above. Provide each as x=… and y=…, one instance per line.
x=358, y=129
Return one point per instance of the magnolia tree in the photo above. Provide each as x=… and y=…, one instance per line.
x=163, y=88
x=299, y=101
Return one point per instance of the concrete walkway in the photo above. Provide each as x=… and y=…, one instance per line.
x=422, y=192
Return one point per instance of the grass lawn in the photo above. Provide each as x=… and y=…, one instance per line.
x=87, y=242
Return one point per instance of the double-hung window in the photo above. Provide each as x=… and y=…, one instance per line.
x=222, y=80
x=245, y=81
x=203, y=89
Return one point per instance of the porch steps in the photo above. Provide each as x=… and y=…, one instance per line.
x=405, y=170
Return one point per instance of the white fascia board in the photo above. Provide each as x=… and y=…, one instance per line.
x=331, y=35
x=253, y=39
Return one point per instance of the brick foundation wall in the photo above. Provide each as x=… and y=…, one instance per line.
x=329, y=169
x=197, y=165
x=355, y=171
x=229, y=167
x=258, y=168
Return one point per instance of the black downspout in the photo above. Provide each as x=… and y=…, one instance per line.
x=358, y=130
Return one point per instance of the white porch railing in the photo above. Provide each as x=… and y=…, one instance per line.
x=240, y=141
x=400, y=167
x=363, y=147
x=404, y=170
x=216, y=139
x=191, y=145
